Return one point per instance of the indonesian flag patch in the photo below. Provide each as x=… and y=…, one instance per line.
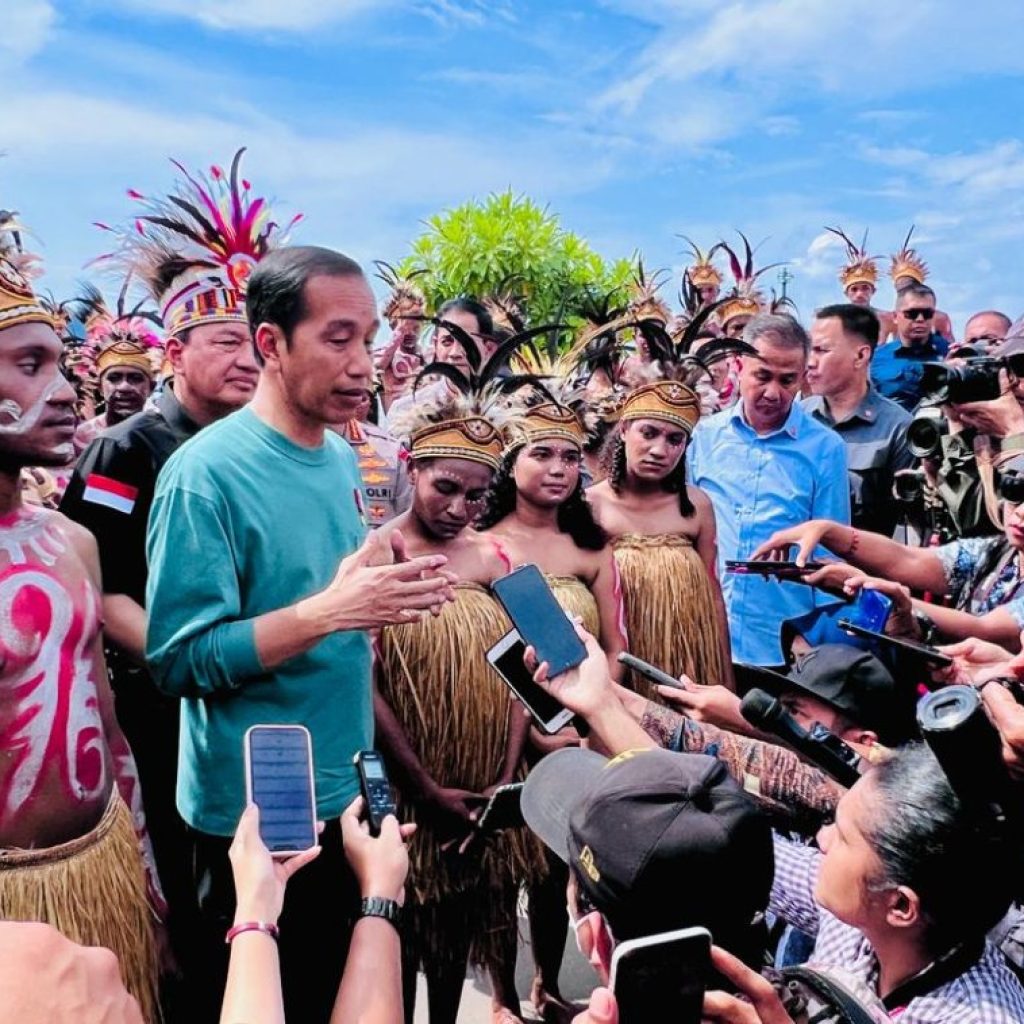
x=102, y=490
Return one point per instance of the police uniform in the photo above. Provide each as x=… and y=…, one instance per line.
x=386, y=483
x=110, y=493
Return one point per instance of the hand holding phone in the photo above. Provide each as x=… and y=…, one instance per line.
x=503, y=810
x=506, y=657
x=279, y=780
x=377, y=796
x=662, y=976
x=540, y=619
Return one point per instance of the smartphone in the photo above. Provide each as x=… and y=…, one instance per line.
x=647, y=670
x=506, y=657
x=912, y=647
x=742, y=568
x=279, y=781
x=540, y=619
x=870, y=610
x=660, y=974
x=377, y=795
x=503, y=810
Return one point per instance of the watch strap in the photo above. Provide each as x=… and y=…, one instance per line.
x=378, y=906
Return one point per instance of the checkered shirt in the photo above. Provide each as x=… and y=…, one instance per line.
x=986, y=993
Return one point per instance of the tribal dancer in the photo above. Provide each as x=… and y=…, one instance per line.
x=538, y=512
x=662, y=529
x=400, y=361
x=71, y=821
x=445, y=719
x=123, y=343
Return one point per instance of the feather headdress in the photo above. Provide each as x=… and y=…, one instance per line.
x=644, y=301
x=122, y=337
x=406, y=298
x=18, y=301
x=507, y=306
x=745, y=299
x=907, y=263
x=860, y=267
x=196, y=248
x=702, y=273
x=466, y=422
x=676, y=372
x=599, y=344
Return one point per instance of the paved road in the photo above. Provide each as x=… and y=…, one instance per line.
x=577, y=980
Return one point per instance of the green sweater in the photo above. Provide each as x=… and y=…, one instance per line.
x=244, y=522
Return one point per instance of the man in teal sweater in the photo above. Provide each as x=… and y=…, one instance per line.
x=261, y=587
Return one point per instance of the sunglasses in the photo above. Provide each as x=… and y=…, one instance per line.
x=920, y=313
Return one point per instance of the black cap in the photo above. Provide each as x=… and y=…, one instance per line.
x=853, y=682
x=656, y=840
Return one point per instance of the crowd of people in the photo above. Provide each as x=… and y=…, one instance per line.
x=227, y=505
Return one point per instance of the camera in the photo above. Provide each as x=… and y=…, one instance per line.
x=925, y=434
x=1010, y=487
x=969, y=380
x=908, y=486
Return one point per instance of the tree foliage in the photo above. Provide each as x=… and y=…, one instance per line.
x=509, y=243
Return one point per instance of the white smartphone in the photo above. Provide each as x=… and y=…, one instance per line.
x=506, y=657
x=659, y=973
x=279, y=781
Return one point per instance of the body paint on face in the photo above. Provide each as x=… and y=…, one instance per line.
x=56, y=721
x=24, y=421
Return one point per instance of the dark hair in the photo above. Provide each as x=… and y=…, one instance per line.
x=962, y=869
x=856, y=320
x=921, y=291
x=467, y=304
x=613, y=463
x=574, y=517
x=779, y=328
x=277, y=288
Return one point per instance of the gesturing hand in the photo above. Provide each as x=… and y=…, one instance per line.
x=378, y=585
x=805, y=537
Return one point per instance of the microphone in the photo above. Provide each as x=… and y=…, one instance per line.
x=821, y=747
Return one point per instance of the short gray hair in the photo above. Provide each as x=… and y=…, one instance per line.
x=784, y=330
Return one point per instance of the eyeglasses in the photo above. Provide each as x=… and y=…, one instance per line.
x=919, y=313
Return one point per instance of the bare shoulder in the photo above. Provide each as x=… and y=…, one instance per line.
x=700, y=500
x=490, y=553
x=81, y=541
x=598, y=494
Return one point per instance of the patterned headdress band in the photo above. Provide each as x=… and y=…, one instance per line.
x=702, y=272
x=906, y=263
x=860, y=267
x=548, y=421
x=18, y=302
x=471, y=437
x=663, y=400
x=124, y=353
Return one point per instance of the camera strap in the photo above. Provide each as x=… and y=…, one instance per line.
x=942, y=971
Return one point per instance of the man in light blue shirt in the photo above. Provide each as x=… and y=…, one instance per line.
x=764, y=463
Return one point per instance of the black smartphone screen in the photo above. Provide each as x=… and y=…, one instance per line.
x=539, y=618
x=281, y=787
x=664, y=979
x=912, y=647
x=503, y=810
x=538, y=702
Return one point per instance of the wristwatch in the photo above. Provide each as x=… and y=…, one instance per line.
x=378, y=906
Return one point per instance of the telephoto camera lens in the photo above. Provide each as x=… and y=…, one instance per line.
x=967, y=380
x=925, y=434
x=908, y=486
x=964, y=741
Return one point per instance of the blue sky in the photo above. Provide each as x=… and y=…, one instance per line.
x=634, y=122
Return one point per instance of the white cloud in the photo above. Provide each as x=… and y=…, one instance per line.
x=26, y=25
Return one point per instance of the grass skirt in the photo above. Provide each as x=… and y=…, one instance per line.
x=93, y=891
x=454, y=710
x=575, y=597
x=670, y=609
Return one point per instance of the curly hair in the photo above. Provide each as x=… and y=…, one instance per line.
x=574, y=517
x=613, y=462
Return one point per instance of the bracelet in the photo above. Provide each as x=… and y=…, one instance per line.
x=252, y=926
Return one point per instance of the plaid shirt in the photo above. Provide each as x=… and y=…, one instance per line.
x=986, y=993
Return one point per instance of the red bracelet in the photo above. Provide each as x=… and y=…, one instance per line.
x=252, y=926
x=854, y=543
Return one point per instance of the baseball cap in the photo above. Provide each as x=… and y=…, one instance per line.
x=853, y=682
x=656, y=840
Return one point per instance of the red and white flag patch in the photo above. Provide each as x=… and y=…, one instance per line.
x=103, y=490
